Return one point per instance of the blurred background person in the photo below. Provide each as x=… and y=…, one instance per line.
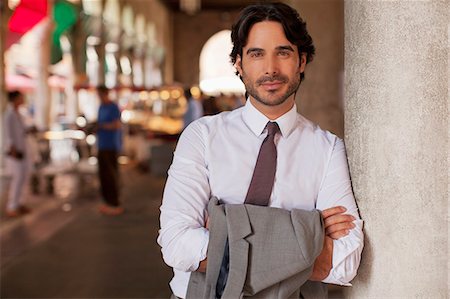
x=109, y=145
x=194, y=110
x=211, y=106
x=17, y=160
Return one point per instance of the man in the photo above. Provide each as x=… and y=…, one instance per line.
x=109, y=144
x=17, y=158
x=216, y=155
x=194, y=108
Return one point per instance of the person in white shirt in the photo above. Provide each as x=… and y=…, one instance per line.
x=17, y=156
x=216, y=155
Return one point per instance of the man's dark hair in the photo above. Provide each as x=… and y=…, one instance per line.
x=13, y=95
x=102, y=89
x=293, y=25
x=187, y=93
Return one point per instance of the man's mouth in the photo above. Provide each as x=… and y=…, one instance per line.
x=272, y=85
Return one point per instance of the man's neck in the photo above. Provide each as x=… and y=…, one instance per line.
x=273, y=112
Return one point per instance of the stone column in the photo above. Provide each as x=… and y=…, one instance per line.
x=42, y=100
x=72, y=109
x=396, y=131
x=3, y=100
x=4, y=16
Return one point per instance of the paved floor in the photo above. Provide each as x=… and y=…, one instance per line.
x=66, y=249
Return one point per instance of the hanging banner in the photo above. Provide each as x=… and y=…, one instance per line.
x=26, y=15
x=65, y=15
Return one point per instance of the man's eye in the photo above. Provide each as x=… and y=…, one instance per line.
x=284, y=53
x=256, y=54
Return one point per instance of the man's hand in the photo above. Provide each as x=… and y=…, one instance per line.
x=113, y=125
x=202, y=266
x=324, y=262
x=337, y=224
x=207, y=223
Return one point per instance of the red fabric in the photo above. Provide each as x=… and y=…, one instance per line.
x=27, y=14
x=12, y=38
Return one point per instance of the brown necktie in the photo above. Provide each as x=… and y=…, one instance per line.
x=264, y=174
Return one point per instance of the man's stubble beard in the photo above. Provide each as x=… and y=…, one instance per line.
x=252, y=88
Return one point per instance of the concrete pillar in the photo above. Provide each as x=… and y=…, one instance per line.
x=4, y=16
x=72, y=109
x=42, y=101
x=396, y=130
x=3, y=100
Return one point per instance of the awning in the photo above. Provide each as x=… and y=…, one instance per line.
x=26, y=15
x=27, y=84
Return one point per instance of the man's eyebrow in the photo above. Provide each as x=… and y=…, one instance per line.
x=250, y=50
x=286, y=47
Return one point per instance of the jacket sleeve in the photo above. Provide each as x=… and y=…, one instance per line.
x=283, y=245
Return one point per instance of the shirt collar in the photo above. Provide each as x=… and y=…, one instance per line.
x=257, y=121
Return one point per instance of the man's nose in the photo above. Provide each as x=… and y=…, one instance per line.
x=272, y=65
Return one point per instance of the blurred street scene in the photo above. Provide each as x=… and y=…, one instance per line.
x=164, y=63
x=57, y=243
x=66, y=249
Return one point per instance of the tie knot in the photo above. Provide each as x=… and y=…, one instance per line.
x=272, y=128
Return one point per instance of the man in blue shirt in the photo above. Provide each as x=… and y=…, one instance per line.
x=194, y=110
x=109, y=144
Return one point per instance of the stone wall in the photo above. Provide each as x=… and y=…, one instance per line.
x=396, y=129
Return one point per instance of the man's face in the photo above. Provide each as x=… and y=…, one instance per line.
x=19, y=100
x=104, y=96
x=270, y=65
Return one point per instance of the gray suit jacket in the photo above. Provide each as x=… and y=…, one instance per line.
x=272, y=252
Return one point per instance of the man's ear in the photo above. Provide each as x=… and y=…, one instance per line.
x=238, y=65
x=302, y=62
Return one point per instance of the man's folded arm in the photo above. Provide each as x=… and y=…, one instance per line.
x=336, y=190
x=183, y=236
x=346, y=257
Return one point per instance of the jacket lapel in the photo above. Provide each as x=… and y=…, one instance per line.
x=216, y=246
x=238, y=229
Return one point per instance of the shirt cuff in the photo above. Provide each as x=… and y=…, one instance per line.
x=346, y=258
x=203, y=251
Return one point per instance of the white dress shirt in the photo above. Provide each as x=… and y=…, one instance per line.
x=216, y=156
x=14, y=130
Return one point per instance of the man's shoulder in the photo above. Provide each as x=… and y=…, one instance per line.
x=211, y=123
x=9, y=111
x=314, y=130
x=109, y=110
x=110, y=106
x=7, y=114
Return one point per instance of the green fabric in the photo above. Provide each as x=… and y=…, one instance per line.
x=65, y=15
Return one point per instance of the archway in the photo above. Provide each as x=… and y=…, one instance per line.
x=217, y=75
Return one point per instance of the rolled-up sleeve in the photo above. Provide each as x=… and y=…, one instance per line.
x=183, y=236
x=335, y=191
